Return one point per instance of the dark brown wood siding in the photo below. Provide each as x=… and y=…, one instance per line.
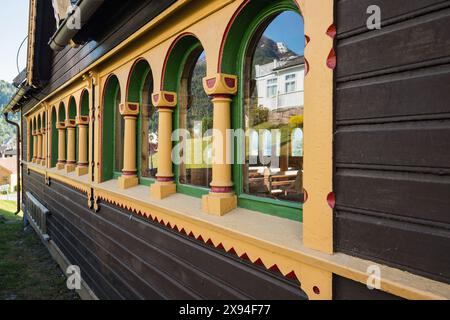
x=123, y=256
x=392, y=135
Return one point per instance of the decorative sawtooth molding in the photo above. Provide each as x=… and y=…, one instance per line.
x=287, y=267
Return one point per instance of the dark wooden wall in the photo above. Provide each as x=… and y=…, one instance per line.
x=123, y=256
x=392, y=135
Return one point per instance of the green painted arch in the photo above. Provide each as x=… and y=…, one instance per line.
x=111, y=96
x=140, y=76
x=72, y=108
x=181, y=49
x=251, y=18
x=61, y=112
x=84, y=103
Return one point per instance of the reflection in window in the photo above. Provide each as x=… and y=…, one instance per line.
x=119, y=135
x=272, y=88
x=149, y=132
x=275, y=56
x=290, y=83
x=196, y=115
x=297, y=142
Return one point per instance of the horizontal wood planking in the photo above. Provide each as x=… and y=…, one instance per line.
x=392, y=136
x=402, y=194
x=352, y=14
x=345, y=289
x=409, y=246
x=139, y=259
x=409, y=96
x=413, y=144
x=419, y=41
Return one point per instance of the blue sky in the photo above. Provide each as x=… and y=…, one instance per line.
x=13, y=29
x=280, y=30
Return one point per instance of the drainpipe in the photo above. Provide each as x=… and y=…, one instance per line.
x=17, y=159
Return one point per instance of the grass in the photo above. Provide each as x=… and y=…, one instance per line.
x=27, y=271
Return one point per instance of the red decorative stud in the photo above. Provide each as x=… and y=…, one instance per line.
x=305, y=195
x=331, y=32
x=316, y=290
x=306, y=67
x=331, y=60
x=331, y=199
x=307, y=40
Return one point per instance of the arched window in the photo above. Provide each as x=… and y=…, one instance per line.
x=112, y=131
x=273, y=73
x=196, y=117
x=72, y=117
x=140, y=89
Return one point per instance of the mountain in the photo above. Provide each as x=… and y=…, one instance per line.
x=6, y=130
x=267, y=50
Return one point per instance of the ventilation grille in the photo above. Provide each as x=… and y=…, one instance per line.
x=37, y=213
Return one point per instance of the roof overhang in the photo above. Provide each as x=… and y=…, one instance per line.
x=76, y=19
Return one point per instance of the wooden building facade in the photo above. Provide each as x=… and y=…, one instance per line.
x=366, y=200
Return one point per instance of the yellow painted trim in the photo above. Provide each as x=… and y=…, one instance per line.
x=318, y=127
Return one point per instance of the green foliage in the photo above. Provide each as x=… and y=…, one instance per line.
x=7, y=90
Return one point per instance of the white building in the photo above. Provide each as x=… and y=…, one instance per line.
x=280, y=84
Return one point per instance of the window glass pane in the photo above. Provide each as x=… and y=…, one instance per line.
x=272, y=117
x=149, y=132
x=196, y=116
x=119, y=134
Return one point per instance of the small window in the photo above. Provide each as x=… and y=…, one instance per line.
x=272, y=88
x=290, y=83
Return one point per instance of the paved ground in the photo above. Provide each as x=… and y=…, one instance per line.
x=27, y=271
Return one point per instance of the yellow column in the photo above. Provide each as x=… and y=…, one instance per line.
x=39, y=147
x=61, y=127
x=130, y=112
x=71, y=162
x=34, y=146
x=44, y=147
x=83, y=162
x=221, y=198
x=165, y=185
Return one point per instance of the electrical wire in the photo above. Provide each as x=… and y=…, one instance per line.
x=17, y=56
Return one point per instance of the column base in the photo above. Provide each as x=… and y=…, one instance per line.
x=43, y=163
x=126, y=182
x=219, y=204
x=81, y=171
x=161, y=190
x=70, y=167
x=60, y=165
